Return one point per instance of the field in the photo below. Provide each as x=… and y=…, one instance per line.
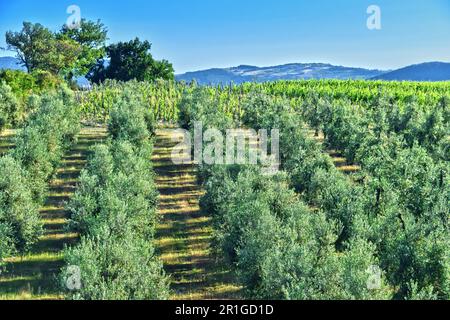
x=93, y=206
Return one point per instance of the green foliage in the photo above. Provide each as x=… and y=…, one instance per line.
x=25, y=172
x=10, y=109
x=20, y=225
x=264, y=112
x=114, y=209
x=412, y=252
x=309, y=232
x=116, y=193
x=48, y=133
x=29, y=44
x=45, y=81
x=130, y=121
x=131, y=60
x=38, y=48
x=21, y=83
x=393, y=213
x=112, y=269
x=421, y=294
x=16, y=88
x=358, y=92
x=68, y=53
x=91, y=36
x=202, y=105
x=160, y=98
x=279, y=247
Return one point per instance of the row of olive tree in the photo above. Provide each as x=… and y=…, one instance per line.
x=9, y=107
x=114, y=210
x=398, y=201
x=279, y=247
x=395, y=210
x=26, y=170
x=347, y=126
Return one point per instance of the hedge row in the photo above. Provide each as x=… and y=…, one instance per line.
x=114, y=209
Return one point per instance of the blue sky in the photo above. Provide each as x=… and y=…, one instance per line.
x=200, y=34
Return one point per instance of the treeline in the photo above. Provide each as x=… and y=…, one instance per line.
x=26, y=170
x=114, y=210
x=70, y=53
x=55, y=59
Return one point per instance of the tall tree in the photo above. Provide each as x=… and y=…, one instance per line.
x=62, y=56
x=29, y=44
x=163, y=70
x=131, y=60
x=92, y=37
x=39, y=49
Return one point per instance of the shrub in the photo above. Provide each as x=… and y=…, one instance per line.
x=20, y=224
x=23, y=84
x=114, y=209
x=265, y=112
x=130, y=121
x=116, y=192
x=116, y=269
x=48, y=133
x=201, y=105
x=24, y=173
x=280, y=248
x=10, y=108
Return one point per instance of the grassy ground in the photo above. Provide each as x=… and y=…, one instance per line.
x=33, y=276
x=339, y=160
x=184, y=234
x=6, y=140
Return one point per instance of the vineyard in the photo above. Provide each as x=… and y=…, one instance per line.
x=363, y=189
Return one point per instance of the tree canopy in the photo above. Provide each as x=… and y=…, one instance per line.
x=130, y=60
x=91, y=36
x=37, y=48
x=69, y=53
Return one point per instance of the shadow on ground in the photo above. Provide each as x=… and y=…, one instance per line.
x=34, y=276
x=185, y=233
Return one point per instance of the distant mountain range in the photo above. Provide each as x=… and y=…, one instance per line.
x=10, y=63
x=291, y=71
x=430, y=71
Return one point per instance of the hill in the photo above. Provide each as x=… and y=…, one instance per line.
x=430, y=71
x=10, y=63
x=293, y=71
